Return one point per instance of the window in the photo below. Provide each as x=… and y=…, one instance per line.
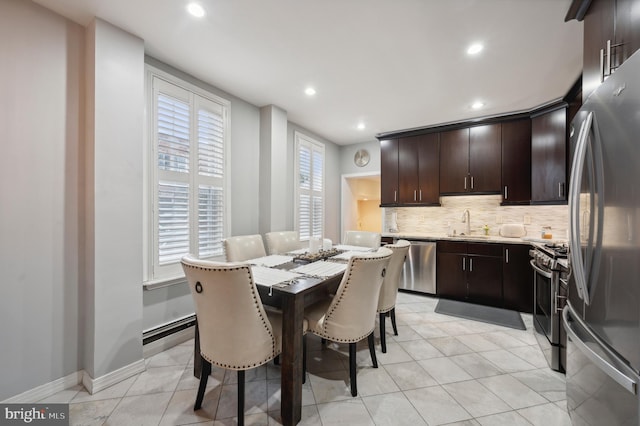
x=188, y=194
x=309, y=178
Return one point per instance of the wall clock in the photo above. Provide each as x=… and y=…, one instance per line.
x=361, y=158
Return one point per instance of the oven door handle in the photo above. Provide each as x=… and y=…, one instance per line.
x=539, y=271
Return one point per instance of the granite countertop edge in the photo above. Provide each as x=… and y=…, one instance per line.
x=474, y=238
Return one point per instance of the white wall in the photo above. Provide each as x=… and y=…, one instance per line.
x=40, y=206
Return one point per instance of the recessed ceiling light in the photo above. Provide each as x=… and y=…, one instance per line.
x=195, y=9
x=475, y=48
x=310, y=91
x=361, y=126
x=477, y=105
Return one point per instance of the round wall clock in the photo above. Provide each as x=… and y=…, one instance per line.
x=361, y=158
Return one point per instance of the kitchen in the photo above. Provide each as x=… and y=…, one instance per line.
x=114, y=220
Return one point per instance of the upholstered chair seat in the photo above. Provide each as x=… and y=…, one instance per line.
x=244, y=247
x=350, y=315
x=362, y=239
x=389, y=290
x=235, y=331
x=281, y=242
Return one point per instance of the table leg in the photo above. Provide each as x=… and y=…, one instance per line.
x=291, y=359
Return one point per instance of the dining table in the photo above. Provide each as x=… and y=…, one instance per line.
x=291, y=298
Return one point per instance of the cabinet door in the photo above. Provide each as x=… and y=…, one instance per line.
x=485, y=158
x=627, y=27
x=484, y=276
x=388, y=172
x=454, y=161
x=516, y=162
x=429, y=169
x=598, y=28
x=451, y=276
x=517, y=278
x=549, y=157
x=408, y=170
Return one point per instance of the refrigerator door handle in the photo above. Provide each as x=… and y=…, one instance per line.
x=627, y=381
x=574, y=210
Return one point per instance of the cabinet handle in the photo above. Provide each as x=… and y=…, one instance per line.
x=415, y=196
x=506, y=251
x=560, y=190
x=471, y=265
x=607, y=69
x=465, y=182
x=506, y=192
x=421, y=195
x=395, y=196
x=471, y=182
x=464, y=263
x=601, y=65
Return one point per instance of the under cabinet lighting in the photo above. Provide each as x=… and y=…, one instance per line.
x=195, y=9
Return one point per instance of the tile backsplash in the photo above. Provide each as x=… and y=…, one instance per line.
x=484, y=209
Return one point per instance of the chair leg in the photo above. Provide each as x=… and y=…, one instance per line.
x=276, y=360
x=240, y=397
x=204, y=376
x=304, y=358
x=393, y=321
x=383, y=337
x=323, y=342
x=372, y=350
x=352, y=369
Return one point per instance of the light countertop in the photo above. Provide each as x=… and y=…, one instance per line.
x=469, y=238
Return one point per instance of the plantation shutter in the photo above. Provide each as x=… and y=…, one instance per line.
x=310, y=187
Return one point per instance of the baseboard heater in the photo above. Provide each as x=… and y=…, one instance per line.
x=168, y=329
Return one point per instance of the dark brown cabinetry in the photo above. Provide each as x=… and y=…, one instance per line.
x=470, y=160
x=516, y=162
x=517, y=278
x=419, y=170
x=611, y=36
x=389, y=172
x=470, y=272
x=549, y=157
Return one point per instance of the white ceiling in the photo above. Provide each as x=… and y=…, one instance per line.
x=392, y=64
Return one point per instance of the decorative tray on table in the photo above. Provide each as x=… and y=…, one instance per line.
x=321, y=255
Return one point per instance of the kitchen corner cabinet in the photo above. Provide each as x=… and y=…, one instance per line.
x=611, y=36
x=389, y=172
x=419, y=170
x=517, y=278
x=470, y=160
x=549, y=157
x=516, y=162
x=471, y=272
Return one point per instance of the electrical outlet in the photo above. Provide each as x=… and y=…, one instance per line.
x=499, y=218
x=527, y=219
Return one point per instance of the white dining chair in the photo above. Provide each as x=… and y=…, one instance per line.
x=244, y=247
x=362, y=239
x=281, y=242
x=389, y=289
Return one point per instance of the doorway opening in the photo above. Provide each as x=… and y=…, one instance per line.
x=361, y=209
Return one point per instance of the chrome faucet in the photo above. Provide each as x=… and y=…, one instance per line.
x=466, y=218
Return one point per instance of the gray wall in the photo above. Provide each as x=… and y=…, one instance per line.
x=74, y=296
x=346, y=158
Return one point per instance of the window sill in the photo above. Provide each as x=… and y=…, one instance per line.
x=165, y=282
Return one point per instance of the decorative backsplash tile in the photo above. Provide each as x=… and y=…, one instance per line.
x=484, y=209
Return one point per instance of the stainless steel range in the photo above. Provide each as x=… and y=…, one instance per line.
x=550, y=272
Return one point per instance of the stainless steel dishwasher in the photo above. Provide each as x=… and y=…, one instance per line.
x=419, y=273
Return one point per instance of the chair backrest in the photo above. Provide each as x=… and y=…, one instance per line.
x=235, y=332
x=280, y=242
x=362, y=238
x=244, y=247
x=351, y=316
x=389, y=290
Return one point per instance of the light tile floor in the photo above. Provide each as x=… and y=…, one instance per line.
x=438, y=370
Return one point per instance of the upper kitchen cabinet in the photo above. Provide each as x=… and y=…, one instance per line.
x=389, y=172
x=470, y=160
x=419, y=170
x=611, y=36
x=516, y=162
x=549, y=156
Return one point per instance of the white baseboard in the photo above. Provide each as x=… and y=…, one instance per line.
x=161, y=345
x=96, y=385
x=44, y=391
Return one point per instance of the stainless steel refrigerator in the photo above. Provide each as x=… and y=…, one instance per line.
x=602, y=317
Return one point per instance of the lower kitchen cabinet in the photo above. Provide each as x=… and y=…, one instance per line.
x=485, y=273
x=517, y=278
x=470, y=272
